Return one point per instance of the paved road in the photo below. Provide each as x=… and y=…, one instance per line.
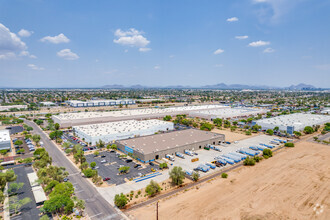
x=96, y=206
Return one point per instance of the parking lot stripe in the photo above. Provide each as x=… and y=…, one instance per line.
x=73, y=174
x=79, y=191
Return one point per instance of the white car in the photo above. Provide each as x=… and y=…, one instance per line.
x=103, y=161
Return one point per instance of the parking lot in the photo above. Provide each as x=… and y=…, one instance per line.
x=207, y=156
x=113, y=162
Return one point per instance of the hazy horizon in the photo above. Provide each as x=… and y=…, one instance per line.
x=85, y=44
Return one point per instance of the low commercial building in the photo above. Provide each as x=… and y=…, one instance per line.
x=98, y=103
x=154, y=147
x=112, y=131
x=83, y=118
x=228, y=113
x=48, y=104
x=5, y=142
x=37, y=190
x=9, y=107
x=292, y=122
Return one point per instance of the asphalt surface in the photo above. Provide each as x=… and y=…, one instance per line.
x=96, y=206
x=30, y=210
x=110, y=168
x=15, y=129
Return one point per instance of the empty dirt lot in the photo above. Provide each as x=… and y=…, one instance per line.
x=294, y=184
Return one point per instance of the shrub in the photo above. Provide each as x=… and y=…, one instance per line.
x=93, y=164
x=153, y=188
x=249, y=161
x=289, y=144
x=195, y=176
x=124, y=169
x=270, y=132
x=267, y=153
x=224, y=175
x=120, y=200
x=248, y=132
x=163, y=166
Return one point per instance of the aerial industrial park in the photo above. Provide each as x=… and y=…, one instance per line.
x=164, y=110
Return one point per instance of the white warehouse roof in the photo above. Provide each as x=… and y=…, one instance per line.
x=112, y=131
x=134, y=112
x=228, y=112
x=4, y=136
x=298, y=120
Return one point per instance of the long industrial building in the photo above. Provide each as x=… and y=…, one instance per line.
x=227, y=113
x=293, y=122
x=8, y=107
x=112, y=131
x=154, y=147
x=98, y=103
x=83, y=118
x=5, y=142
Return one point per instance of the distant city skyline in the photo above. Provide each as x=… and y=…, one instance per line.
x=54, y=44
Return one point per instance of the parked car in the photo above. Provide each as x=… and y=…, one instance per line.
x=129, y=160
x=106, y=179
x=103, y=161
x=102, y=156
x=151, y=164
x=137, y=166
x=65, y=179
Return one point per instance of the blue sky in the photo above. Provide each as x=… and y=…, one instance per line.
x=82, y=43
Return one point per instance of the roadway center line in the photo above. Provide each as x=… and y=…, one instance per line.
x=96, y=215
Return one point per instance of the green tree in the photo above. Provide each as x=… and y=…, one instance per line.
x=96, y=153
x=270, y=132
x=14, y=187
x=57, y=126
x=16, y=204
x=249, y=161
x=120, y=200
x=124, y=169
x=308, y=130
x=114, y=146
x=224, y=175
x=93, y=164
x=217, y=122
x=27, y=160
x=18, y=142
x=84, y=165
x=266, y=153
x=289, y=144
x=177, y=175
x=153, y=188
x=167, y=118
x=195, y=176
x=276, y=128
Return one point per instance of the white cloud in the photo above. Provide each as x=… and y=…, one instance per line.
x=144, y=49
x=157, y=67
x=61, y=38
x=232, y=19
x=269, y=50
x=26, y=53
x=35, y=67
x=218, y=51
x=259, y=43
x=132, y=38
x=242, y=37
x=9, y=43
x=25, y=33
x=67, y=54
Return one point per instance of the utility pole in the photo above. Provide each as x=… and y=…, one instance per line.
x=157, y=210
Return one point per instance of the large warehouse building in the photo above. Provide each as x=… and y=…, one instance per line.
x=98, y=103
x=227, y=113
x=154, y=147
x=5, y=142
x=83, y=118
x=293, y=122
x=112, y=131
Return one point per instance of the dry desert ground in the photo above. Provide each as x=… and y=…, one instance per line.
x=293, y=184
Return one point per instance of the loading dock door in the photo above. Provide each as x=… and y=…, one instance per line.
x=157, y=157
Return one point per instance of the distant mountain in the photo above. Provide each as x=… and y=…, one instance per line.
x=300, y=86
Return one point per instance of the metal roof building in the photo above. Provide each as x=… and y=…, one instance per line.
x=5, y=142
x=154, y=147
x=112, y=131
x=228, y=113
x=38, y=192
x=82, y=118
x=98, y=103
x=293, y=122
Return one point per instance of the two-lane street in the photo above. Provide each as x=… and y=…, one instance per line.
x=96, y=206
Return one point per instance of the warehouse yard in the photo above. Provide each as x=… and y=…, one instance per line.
x=294, y=184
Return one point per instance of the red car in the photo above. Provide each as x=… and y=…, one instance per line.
x=106, y=179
